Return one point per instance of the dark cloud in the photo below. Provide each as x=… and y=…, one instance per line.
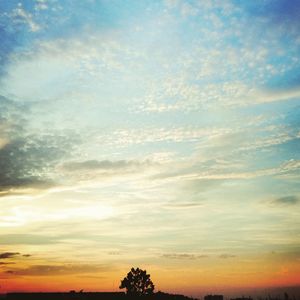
x=183, y=205
x=68, y=269
x=24, y=162
x=183, y=256
x=225, y=256
x=286, y=200
x=28, y=160
x=6, y=263
x=106, y=166
x=5, y=255
x=26, y=255
x=114, y=253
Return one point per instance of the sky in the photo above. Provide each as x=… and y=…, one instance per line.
x=163, y=135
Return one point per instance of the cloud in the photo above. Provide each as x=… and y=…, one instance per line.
x=105, y=165
x=273, y=95
x=196, y=176
x=63, y=269
x=143, y=136
x=41, y=5
x=225, y=256
x=183, y=256
x=94, y=169
x=76, y=60
x=20, y=16
x=114, y=253
x=6, y=263
x=26, y=255
x=186, y=96
x=183, y=205
x=8, y=255
x=286, y=200
x=28, y=159
x=29, y=239
x=39, y=239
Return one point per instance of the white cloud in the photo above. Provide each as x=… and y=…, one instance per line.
x=20, y=16
x=41, y=5
x=179, y=95
x=125, y=137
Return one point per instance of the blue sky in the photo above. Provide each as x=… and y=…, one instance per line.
x=167, y=126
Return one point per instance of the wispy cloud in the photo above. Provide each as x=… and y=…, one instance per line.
x=28, y=239
x=8, y=255
x=106, y=166
x=58, y=270
x=41, y=5
x=225, y=256
x=20, y=16
x=286, y=200
x=184, y=256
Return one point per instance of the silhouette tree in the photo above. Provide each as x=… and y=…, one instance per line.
x=286, y=296
x=137, y=283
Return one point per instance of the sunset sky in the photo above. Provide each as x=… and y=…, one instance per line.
x=163, y=135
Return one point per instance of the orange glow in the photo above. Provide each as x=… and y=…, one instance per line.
x=227, y=276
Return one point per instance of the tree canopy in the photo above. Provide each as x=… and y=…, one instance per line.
x=137, y=283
